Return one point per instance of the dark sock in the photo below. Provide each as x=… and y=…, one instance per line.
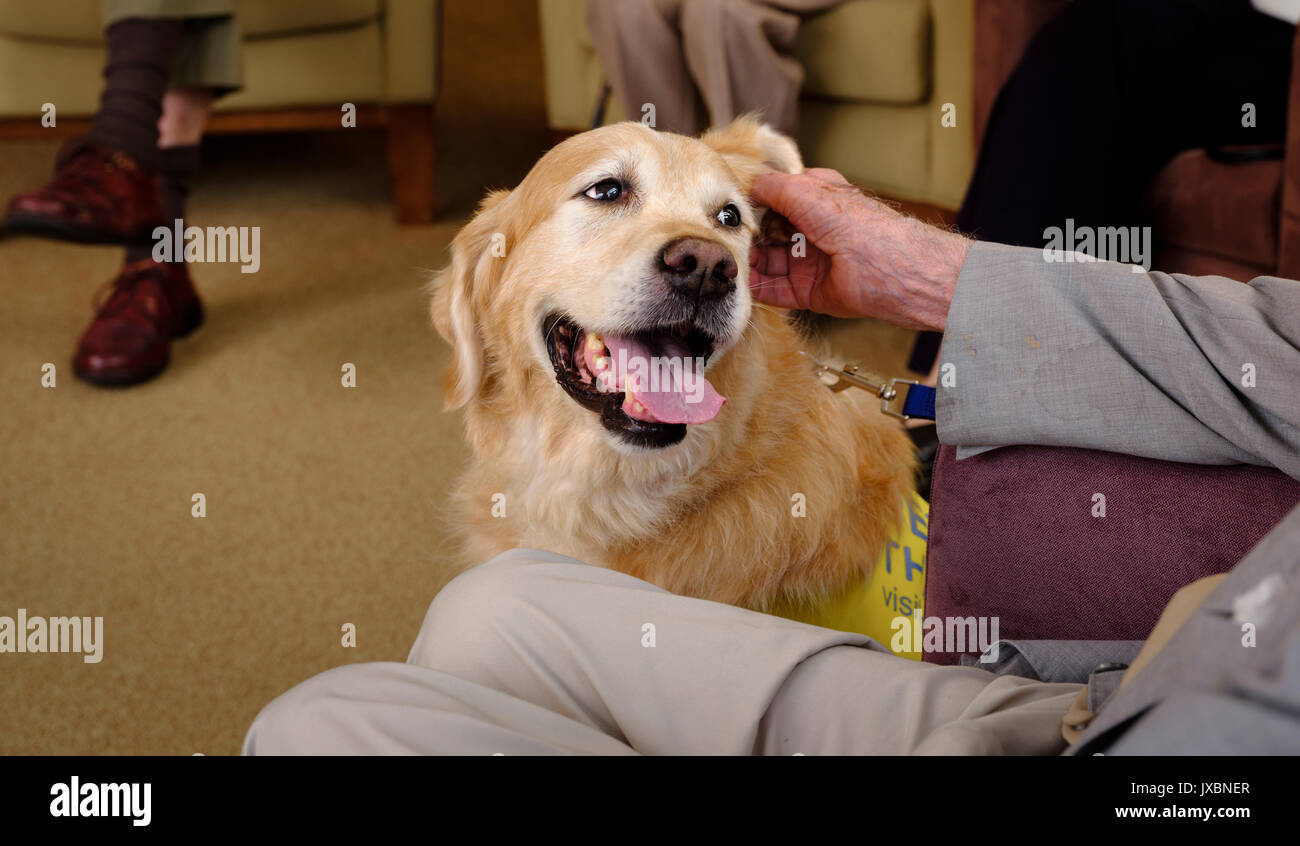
x=176, y=166
x=140, y=54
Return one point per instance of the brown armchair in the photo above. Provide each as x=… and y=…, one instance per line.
x=1234, y=217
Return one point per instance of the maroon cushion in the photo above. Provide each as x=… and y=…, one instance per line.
x=1012, y=535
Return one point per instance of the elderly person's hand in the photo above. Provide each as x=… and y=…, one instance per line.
x=863, y=259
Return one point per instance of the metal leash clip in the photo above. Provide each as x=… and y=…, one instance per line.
x=839, y=379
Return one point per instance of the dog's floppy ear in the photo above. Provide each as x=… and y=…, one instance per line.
x=751, y=147
x=457, y=292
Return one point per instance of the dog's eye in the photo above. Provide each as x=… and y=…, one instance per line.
x=605, y=191
x=729, y=216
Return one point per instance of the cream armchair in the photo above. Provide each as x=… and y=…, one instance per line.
x=878, y=76
x=303, y=59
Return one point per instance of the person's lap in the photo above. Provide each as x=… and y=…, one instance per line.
x=534, y=651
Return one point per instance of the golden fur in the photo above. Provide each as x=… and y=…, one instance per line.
x=712, y=516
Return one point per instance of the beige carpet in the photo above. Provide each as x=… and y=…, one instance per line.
x=323, y=503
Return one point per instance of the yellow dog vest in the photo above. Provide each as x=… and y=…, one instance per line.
x=895, y=588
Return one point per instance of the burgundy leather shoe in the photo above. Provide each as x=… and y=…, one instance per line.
x=97, y=196
x=129, y=340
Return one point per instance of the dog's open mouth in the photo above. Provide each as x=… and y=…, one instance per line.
x=646, y=386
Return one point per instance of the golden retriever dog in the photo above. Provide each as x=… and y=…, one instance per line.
x=725, y=469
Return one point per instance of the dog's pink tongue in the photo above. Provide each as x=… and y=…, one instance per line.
x=664, y=379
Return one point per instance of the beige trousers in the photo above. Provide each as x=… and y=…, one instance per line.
x=702, y=63
x=536, y=653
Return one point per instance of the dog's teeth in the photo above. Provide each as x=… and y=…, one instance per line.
x=594, y=343
x=632, y=405
x=601, y=362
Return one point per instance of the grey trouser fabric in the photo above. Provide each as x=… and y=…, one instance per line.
x=535, y=653
x=1228, y=681
x=209, y=53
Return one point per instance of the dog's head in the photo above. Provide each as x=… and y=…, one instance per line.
x=610, y=279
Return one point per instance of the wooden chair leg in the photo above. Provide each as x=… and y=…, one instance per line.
x=410, y=161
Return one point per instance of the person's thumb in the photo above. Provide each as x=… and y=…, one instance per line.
x=779, y=191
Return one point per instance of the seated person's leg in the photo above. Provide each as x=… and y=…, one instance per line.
x=400, y=709
x=667, y=674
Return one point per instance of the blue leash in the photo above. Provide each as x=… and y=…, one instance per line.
x=919, y=402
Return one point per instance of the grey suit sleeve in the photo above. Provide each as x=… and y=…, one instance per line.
x=1196, y=369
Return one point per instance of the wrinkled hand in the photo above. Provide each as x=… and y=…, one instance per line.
x=863, y=259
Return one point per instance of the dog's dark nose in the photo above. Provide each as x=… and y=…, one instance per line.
x=694, y=267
